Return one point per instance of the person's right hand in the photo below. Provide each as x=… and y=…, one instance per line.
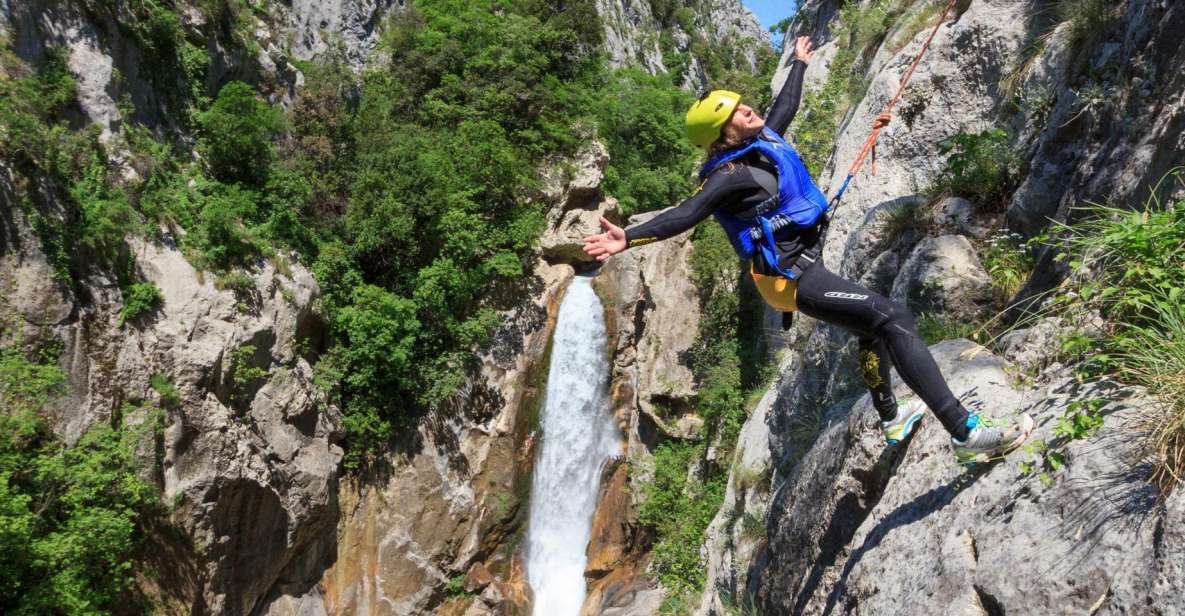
x=604, y=245
x=803, y=49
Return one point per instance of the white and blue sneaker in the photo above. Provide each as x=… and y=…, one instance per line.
x=909, y=412
x=991, y=439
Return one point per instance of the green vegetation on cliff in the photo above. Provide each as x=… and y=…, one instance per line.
x=859, y=30
x=730, y=364
x=1130, y=271
x=406, y=187
x=71, y=518
x=724, y=60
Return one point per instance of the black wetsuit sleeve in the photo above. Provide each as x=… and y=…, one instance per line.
x=686, y=215
x=785, y=106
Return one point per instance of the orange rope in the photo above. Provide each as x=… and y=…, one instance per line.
x=878, y=124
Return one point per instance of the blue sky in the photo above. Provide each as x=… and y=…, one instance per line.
x=771, y=12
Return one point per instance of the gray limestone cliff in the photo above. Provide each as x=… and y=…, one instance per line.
x=635, y=36
x=250, y=466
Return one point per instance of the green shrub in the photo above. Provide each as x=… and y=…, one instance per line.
x=140, y=298
x=71, y=518
x=1009, y=261
x=238, y=282
x=752, y=525
x=241, y=370
x=170, y=397
x=222, y=233
x=1080, y=421
x=31, y=107
x=650, y=159
x=455, y=587
x=936, y=328
x=983, y=167
x=1088, y=21
x=106, y=214
x=920, y=16
x=680, y=511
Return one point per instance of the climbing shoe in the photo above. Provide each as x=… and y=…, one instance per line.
x=991, y=439
x=909, y=413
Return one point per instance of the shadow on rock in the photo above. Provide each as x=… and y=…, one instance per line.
x=919, y=508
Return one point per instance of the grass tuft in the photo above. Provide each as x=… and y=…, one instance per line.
x=1130, y=268
x=936, y=328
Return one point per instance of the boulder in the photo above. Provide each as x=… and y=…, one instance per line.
x=958, y=214
x=614, y=525
x=574, y=183
x=562, y=242
x=942, y=276
x=572, y=190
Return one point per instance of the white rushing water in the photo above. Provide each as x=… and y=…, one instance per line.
x=578, y=436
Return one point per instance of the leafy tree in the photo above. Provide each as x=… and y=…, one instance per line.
x=236, y=135
x=641, y=120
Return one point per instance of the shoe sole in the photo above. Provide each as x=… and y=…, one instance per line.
x=1027, y=426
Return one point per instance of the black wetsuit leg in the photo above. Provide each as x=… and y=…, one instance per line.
x=831, y=299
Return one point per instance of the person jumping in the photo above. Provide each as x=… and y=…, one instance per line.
x=759, y=190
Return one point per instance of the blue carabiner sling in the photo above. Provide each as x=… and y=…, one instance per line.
x=798, y=201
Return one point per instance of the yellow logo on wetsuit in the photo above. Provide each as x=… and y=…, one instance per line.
x=870, y=367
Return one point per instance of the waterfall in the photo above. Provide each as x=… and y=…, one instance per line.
x=578, y=436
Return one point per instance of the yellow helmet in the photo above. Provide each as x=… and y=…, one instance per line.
x=708, y=116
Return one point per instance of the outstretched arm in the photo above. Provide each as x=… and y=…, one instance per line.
x=785, y=106
x=667, y=224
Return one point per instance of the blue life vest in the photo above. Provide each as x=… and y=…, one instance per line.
x=799, y=201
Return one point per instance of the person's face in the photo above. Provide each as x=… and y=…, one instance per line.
x=745, y=122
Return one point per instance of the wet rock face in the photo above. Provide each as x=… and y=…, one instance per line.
x=856, y=521
x=616, y=551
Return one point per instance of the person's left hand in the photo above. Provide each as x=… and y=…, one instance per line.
x=803, y=49
x=604, y=245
